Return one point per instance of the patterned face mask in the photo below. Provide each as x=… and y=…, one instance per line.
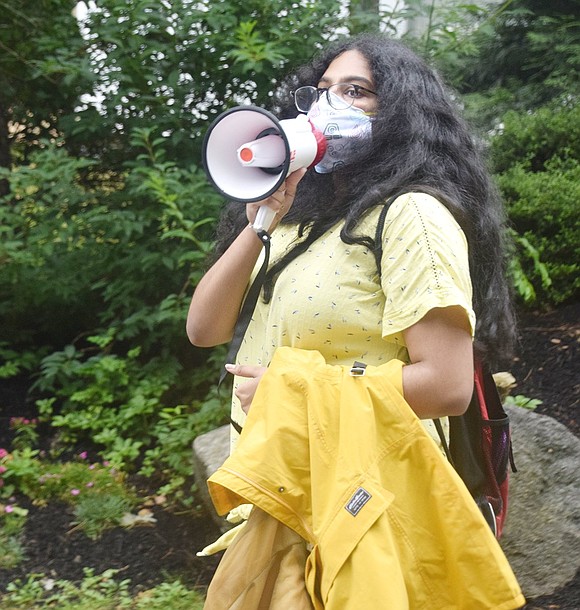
x=345, y=130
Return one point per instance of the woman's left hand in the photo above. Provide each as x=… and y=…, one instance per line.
x=246, y=390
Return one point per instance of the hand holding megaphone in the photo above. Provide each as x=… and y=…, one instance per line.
x=248, y=153
x=266, y=214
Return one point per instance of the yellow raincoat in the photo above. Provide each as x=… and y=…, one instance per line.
x=344, y=462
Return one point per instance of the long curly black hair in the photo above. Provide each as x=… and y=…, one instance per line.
x=420, y=143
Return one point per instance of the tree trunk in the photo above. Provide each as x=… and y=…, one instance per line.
x=5, y=156
x=364, y=16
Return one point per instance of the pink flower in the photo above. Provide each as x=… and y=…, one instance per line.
x=9, y=508
x=83, y=455
x=75, y=492
x=90, y=484
x=3, y=469
x=3, y=453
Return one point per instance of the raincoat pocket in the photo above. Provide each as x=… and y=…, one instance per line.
x=329, y=585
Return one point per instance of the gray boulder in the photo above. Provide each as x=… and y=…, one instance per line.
x=542, y=533
x=210, y=451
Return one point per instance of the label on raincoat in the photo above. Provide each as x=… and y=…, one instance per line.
x=359, y=499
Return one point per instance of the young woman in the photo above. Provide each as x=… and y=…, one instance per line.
x=441, y=288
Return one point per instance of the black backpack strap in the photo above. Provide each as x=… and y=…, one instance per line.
x=249, y=305
x=444, y=444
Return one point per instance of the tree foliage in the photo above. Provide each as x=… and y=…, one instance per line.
x=531, y=48
x=516, y=66
x=43, y=70
x=179, y=64
x=520, y=55
x=364, y=16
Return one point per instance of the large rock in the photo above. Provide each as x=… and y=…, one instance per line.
x=210, y=451
x=542, y=533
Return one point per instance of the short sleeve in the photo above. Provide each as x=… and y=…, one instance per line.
x=424, y=263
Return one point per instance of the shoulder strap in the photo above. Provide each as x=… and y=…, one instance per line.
x=444, y=444
x=249, y=305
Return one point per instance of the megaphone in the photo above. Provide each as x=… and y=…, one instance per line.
x=248, y=153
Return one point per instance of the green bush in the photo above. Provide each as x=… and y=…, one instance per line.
x=538, y=172
x=96, y=276
x=12, y=521
x=120, y=404
x=543, y=209
x=99, y=493
x=532, y=139
x=103, y=591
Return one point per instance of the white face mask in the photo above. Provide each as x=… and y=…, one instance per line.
x=344, y=131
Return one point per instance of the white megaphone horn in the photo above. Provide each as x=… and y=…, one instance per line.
x=248, y=153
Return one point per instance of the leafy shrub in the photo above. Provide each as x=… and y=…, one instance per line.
x=44, y=244
x=117, y=403
x=99, y=493
x=533, y=139
x=12, y=520
x=25, y=432
x=523, y=401
x=538, y=172
x=12, y=552
x=80, y=250
x=524, y=254
x=543, y=209
x=97, y=512
x=96, y=592
x=107, y=265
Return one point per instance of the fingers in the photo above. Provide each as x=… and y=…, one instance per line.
x=281, y=200
x=246, y=390
x=245, y=393
x=245, y=370
x=291, y=185
x=293, y=180
x=284, y=196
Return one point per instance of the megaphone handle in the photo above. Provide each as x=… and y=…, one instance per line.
x=264, y=219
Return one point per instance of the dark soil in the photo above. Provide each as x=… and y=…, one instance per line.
x=547, y=366
x=546, y=369
x=146, y=555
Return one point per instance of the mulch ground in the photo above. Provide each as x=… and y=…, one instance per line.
x=146, y=555
x=547, y=366
x=546, y=369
